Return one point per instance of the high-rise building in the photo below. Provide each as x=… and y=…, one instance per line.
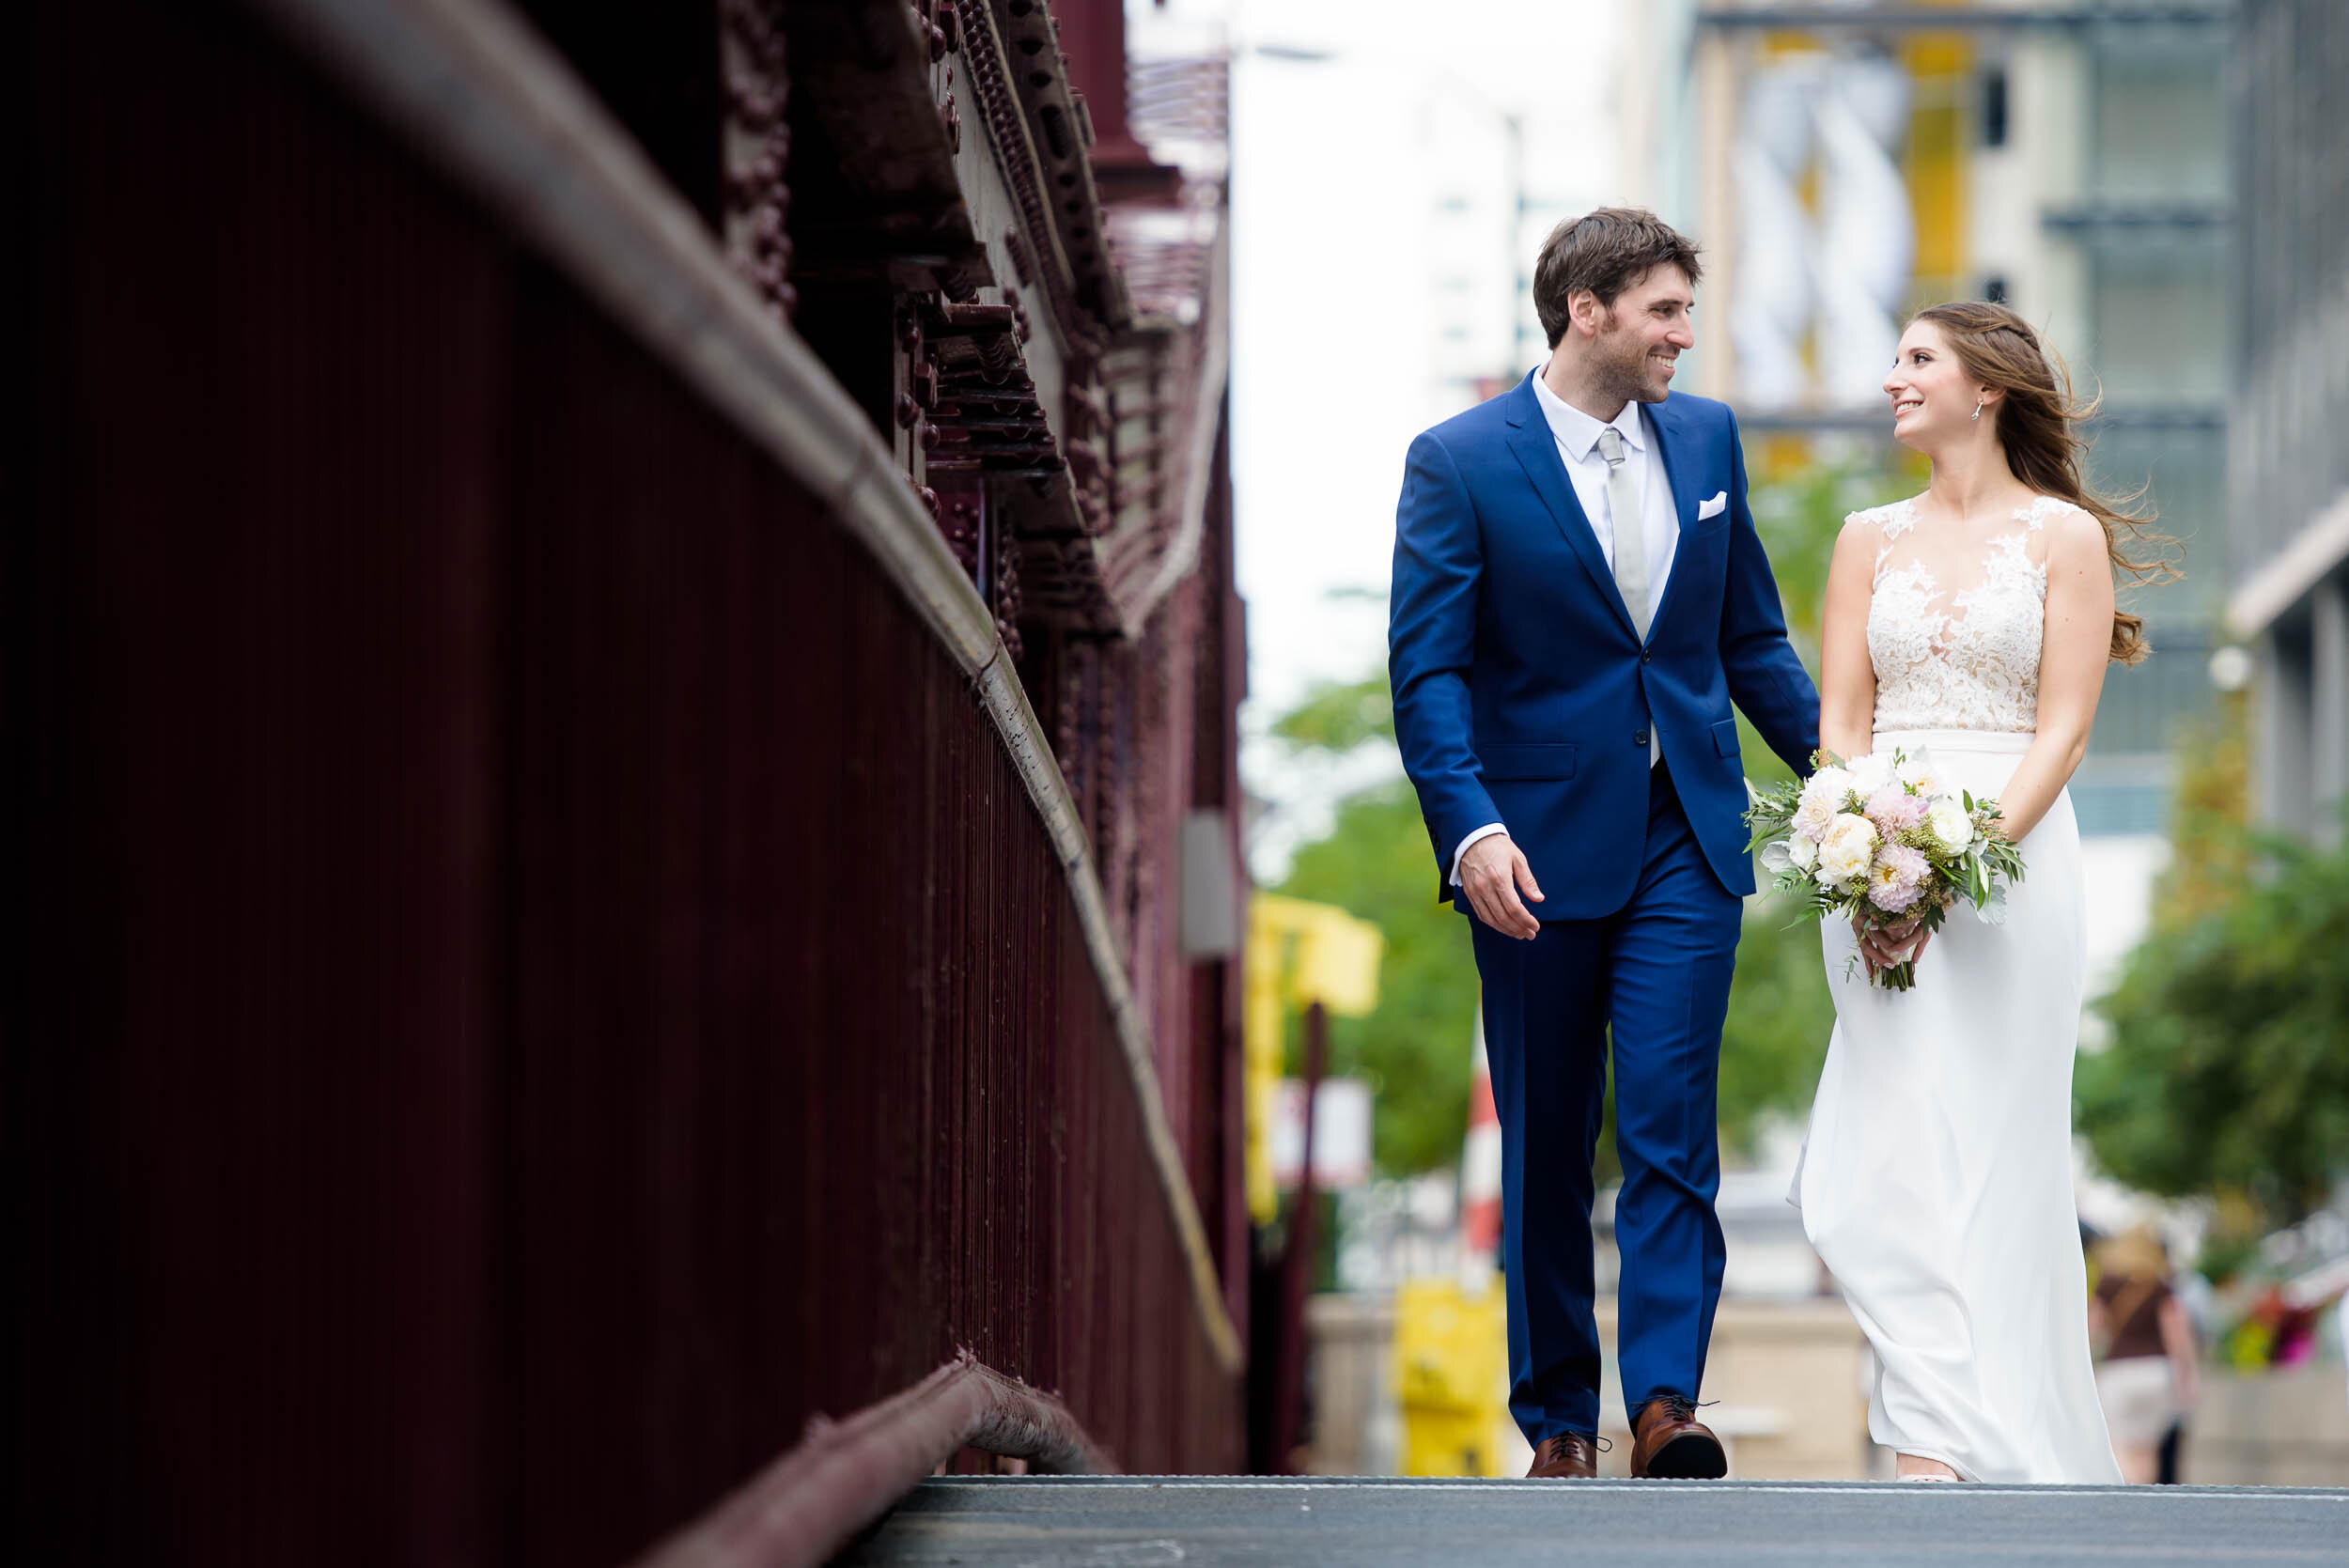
x=1854, y=163
x=2288, y=495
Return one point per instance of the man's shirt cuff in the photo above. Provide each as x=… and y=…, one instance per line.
x=1487, y=831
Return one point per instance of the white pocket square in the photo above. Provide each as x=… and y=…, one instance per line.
x=1713, y=507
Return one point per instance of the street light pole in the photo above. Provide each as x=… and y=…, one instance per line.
x=1513, y=124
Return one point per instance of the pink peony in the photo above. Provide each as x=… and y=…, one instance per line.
x=1897, y=879
x=1893, y=810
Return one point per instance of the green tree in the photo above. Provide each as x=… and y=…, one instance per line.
x=1375, y=863
x=1780, y=1016
x=2210, y=861
x=2228, y=1072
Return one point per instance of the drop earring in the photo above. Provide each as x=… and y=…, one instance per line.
x=1978, y=408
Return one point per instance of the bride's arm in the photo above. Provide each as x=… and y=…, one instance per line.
x=1847, y=680
x=1848, y=705
x=2073, y=654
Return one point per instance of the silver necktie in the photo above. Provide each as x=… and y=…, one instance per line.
x=1623, y=507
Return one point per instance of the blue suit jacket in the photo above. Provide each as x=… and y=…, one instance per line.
x=1522, y=693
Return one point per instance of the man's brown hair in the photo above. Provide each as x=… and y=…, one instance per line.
x=1605, y=251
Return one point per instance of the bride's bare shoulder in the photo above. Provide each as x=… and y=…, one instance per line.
x=1883, y=523
x=2042, y=513
x=1864, y=541
x=2068, y=534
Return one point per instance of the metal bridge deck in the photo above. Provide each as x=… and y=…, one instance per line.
x=1127, y=1521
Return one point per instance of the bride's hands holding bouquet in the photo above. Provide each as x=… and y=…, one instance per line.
x=1882, y=947
x=1884, y=842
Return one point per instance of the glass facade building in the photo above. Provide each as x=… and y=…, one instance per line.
x=2288, y=496
x=2146, y=235
x=2076, y=161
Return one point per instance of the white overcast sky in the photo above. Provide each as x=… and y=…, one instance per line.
x=1341, y=167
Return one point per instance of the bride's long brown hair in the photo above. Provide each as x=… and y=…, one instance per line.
x=2038, y=426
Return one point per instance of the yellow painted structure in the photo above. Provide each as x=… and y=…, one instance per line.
x=1935, y=166
x=1298, y=953
x=1452, y=1376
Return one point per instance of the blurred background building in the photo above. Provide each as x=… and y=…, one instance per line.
x=2124, y=174
x=2288, y=485
x=1856, y=162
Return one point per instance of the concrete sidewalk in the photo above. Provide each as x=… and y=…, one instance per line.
x=1077, y=1521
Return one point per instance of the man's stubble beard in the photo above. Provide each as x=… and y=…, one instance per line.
x=1624, y=373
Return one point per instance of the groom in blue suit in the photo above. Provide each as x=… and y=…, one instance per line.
x=1578, y=597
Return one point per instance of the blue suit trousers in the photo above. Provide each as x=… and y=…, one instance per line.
x=1654, y=975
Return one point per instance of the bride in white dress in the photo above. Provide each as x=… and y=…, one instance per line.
x=1972, y=623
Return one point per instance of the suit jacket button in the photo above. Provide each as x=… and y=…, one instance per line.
x=1647, y=656
x=1640, y=738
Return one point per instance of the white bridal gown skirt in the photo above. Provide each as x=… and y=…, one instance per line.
x=1936, y=1182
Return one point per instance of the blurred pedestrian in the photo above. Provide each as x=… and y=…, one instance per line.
x=2194, y=1293
x=2148, y=1373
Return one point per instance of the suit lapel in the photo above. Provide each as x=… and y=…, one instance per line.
x=1536, y=449
x=1674, y=445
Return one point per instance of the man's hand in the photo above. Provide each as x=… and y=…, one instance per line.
x=1491, y=873
x=1883, y=946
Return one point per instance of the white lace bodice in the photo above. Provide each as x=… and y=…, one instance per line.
x=1951, y=657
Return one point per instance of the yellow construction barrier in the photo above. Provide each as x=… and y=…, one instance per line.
x=1452, y=1376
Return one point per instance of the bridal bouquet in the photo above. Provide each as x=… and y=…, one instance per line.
x=1884, y=838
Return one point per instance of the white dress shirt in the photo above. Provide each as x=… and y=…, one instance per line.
x=1576, y=434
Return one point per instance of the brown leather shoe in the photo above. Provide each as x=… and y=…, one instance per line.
x=1670, y=1444
x=1569, y=1456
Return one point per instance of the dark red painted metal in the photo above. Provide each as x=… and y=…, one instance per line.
x=1296, y=1260
x=544, y=975
x=1093, y=37
x=845, y=1474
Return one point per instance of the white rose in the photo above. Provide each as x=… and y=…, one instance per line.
x=1849, y=845
x=1802, y=852
x=1822, y=798
x=1920, y=776
x=1871, y=774
x=1951, y=827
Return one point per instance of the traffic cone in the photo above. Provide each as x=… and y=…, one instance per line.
x=1480, y=1171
